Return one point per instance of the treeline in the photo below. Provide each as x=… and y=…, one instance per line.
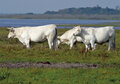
x=97, y=10
x=59, y=16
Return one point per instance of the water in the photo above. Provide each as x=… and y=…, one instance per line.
x=38, y=22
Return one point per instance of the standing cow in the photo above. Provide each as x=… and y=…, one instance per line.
x=35, y=34
x=100, y=35
x=69, y=37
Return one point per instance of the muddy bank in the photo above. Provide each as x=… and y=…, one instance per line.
x=47, y=65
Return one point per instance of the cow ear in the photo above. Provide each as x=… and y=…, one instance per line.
x=11, y=29
x=79, y=29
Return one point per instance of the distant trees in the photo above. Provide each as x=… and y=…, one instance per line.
x=117, y=7
x=88, y=11
x=30, y=13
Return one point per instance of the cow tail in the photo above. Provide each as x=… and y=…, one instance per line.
x=55, y=40
x=114, y=42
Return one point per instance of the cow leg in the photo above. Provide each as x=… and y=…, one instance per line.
x=71, y=44
x=27, y=43
x=87, y=47
x=58, y=43
x=93, y=45
x=50, y=43
x=21, y=40
x=110, y=44
x=55, y=44
x=72, y=41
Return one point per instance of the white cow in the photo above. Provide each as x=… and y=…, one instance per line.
x=69, y=37
x=100, y=35
x=35, y=34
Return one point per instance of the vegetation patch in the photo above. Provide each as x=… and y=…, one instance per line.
x=58, y=76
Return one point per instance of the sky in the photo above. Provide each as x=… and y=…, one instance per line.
x=41, y=6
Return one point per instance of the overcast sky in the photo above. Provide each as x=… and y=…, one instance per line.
x=41, y=6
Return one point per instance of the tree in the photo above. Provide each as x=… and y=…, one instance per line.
x=117, y=7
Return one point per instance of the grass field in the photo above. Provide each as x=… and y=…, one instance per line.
x=60, y=76
x=11, y=50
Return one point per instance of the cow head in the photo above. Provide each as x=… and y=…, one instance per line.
x=77, y=30
x=11, y=33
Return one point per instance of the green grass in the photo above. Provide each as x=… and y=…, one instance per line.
x=60, y=76
x=11, y=50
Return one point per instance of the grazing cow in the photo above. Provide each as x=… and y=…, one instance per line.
x=35, y=34
x=69, y=37
x=65, y=41
x=100, y=35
